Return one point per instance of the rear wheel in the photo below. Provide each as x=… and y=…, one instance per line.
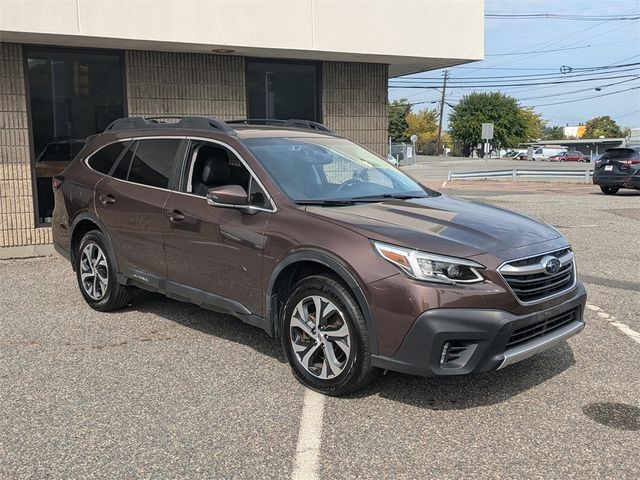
x=324, y=336
x=609, y=190
x=96, y=275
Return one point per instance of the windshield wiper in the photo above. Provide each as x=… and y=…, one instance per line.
x=346, y=201
x=385, y=196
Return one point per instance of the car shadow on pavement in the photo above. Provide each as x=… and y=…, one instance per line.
x=219, y=325
x=470, y=391
x=447, y=393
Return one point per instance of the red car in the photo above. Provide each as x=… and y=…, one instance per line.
x=569, y=157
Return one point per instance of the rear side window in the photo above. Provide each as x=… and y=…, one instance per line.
x=103, y=159
x=153, y=161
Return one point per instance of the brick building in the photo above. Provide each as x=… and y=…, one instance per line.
x=70, y=67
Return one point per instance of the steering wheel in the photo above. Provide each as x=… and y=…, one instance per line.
x=348, y=183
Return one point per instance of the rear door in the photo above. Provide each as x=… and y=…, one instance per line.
x=130, y=202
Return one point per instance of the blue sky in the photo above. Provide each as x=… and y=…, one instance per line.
x=611, y=43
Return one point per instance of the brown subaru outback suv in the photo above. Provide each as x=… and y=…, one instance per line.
x=317, y=241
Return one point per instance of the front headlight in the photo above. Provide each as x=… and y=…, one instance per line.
x=430, y=267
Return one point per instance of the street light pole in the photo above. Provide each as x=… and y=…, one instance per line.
x=444, y=89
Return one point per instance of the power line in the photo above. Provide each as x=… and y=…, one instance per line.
x=584, y=98
x=559, y=16
x=574, y=72
x=539, y=51
x=575, y=91
x=579, y=32
x=496, y=85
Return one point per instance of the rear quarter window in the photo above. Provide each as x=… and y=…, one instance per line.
x=103, y=159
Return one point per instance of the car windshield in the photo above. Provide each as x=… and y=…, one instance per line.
x=330, y=170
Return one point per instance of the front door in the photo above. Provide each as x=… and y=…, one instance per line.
x=216, y=250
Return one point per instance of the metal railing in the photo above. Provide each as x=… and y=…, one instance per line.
x=516, y=173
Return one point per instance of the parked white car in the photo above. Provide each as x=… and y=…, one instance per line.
x=543, y=153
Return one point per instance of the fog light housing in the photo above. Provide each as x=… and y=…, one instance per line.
x=445, y=351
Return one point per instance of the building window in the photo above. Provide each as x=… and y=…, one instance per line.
x=283, y=90
x=72, y=94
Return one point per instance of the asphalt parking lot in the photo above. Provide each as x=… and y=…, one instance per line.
x=167, y=390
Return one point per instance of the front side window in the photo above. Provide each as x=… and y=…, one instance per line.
x=213, y=165
x=152, y=162
x=330, y=169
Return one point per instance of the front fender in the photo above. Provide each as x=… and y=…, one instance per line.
x=339, y=267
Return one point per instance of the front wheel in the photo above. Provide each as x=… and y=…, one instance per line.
x=96, y=275
x=324, y=336
x=609, y=190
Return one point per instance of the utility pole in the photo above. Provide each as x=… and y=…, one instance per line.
x=444, y=89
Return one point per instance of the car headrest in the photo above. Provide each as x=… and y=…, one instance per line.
x=215, y=170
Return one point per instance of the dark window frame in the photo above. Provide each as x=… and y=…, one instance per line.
x=319, y=84
x=26, y=48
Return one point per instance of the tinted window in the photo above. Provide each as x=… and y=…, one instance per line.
x=61, y=151
x=618, y=153
x=283, y=90
x=72, y=94
x=257, y=198
x=103, y=159
x=122, y=168
x=153, y=161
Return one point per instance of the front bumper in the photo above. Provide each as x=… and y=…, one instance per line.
x=484, y=333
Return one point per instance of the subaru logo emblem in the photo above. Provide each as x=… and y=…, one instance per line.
x=551, y=265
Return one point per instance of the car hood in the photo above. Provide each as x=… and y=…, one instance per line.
x=443, y=224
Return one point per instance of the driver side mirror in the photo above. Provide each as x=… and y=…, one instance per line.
x=227, y=196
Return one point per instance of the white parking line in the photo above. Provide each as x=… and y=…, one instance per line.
x=624, y=328
x=307, y=461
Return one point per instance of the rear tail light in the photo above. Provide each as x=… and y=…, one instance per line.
x=57, y=181
x=628, y=163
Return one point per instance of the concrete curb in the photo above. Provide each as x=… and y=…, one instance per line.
x=27, y=251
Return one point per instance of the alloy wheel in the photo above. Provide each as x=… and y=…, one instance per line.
x=320, y=338
x=94, y=271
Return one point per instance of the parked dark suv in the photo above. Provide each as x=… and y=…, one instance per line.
x=316, y=240
x=618, y=168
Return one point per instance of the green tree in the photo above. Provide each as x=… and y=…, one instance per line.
x=423, y=124
x=510, y=125
x=603, y=126
x=535, y=124
x=553, y=133
x=398, y=111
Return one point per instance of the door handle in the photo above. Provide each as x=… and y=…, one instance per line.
x=107, y=199
x=176, y=216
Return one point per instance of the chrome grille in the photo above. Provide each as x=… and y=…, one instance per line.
x=532, y=283
x=539, y=329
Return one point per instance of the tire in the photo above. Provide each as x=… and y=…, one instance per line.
x=96, y=275
x=335, y=364
x=609, y=190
